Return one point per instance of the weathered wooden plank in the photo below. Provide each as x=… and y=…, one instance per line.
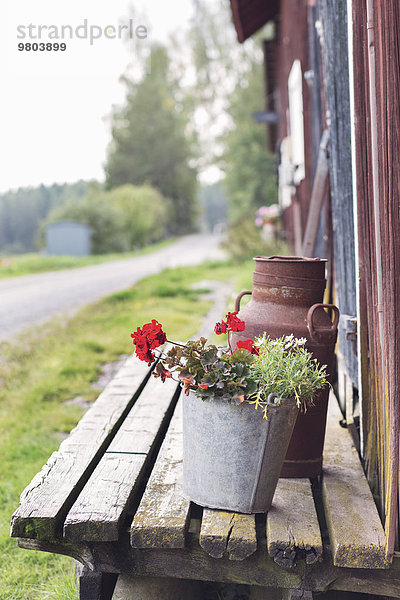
x=243, y=540
x=137, y=433
x=259, y=570
x=47, y=499
x=318, y=196
x=355, y=530
x=216, y=526
x=334, y=51
x=162, y=518
x=229, y=532
x=101, y=507
x=292, y=524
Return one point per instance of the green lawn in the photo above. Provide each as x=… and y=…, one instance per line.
x=58, y=362
x=25, y=264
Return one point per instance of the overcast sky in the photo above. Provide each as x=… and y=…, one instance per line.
x=54, y=106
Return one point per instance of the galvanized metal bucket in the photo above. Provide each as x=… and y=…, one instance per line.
x=232, y=456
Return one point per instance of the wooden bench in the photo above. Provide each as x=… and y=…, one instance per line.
x=111, y=498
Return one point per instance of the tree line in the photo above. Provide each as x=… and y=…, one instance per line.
x=22, y=210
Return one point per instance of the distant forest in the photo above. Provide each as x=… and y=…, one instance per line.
x=21, y=212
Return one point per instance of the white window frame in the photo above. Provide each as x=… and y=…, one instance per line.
x=296, y=120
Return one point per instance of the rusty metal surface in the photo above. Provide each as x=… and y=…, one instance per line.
x=285, y=289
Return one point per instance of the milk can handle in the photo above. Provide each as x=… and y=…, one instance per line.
x=238, y=299
x=323, y=334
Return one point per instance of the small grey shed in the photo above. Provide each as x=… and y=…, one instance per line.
x=68, y=237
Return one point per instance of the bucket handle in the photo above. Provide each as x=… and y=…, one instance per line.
x=323, y=334
x=240, y=296
x=274, y=399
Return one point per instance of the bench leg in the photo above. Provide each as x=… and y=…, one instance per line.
x=297, y=595
x=93, y=585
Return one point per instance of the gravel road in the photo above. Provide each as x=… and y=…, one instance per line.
x=33, y=299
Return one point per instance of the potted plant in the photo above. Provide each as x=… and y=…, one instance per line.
x=239, y=410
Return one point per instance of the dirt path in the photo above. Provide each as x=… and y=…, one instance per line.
x=33, y=299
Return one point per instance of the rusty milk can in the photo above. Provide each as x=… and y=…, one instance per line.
x=287, y=298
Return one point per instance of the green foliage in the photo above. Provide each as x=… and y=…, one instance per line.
x=244, y=241
x=21, y=212
x=228, y=89
x=121, y=220
x=105, y=222
x=284, y=367
x=145, y=213
x=220, y=64
x=250, y=180
x=220, y=372
x=150, y=143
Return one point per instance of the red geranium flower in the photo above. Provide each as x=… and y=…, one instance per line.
x=144, y=353
x=154, y=334
x=233, y=322
x=148, y=338
x=220, y=328
x=248, y=345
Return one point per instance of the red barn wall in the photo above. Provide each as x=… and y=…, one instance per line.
x=292, y=45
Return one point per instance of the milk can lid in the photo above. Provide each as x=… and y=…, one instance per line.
x=282, y=258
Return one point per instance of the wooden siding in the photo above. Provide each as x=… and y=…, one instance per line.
x=379, y=217
x=376, y=116
x=293, y=44
x=269, y=48
x=333, y=17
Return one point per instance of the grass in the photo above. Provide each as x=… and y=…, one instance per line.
x=63, y=589
x=26, y=264
x=59, y=361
